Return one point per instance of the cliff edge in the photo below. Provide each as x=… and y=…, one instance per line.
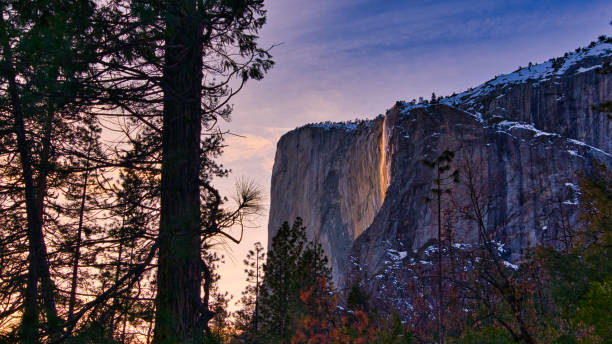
x=364, y=192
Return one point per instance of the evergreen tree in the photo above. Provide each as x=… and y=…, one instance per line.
x=173, y=66
x=46, y=52
x=294, y=264
x=357, y=299
x=443, y=179
x=581, y=276
x=169, y=68
x=220, y=326
x=606, y=105
x=248, y=317
x=134, y=222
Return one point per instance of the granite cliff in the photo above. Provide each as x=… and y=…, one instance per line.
x=362, y=188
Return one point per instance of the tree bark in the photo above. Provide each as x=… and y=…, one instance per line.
x=179, y=278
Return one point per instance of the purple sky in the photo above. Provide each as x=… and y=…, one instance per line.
x=346, y=59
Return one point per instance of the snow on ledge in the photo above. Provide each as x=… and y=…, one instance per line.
x=509, y=125
x=348, y=126
x=580, y=143
x=582, y=69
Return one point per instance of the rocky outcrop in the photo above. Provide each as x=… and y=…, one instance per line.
x=555, y=96
x=525, y=178
x=364, y=191
x=330, y=175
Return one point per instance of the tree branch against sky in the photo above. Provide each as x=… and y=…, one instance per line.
x=172, y=64
x=116, y=142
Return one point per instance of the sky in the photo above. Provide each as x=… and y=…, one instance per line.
x=339, y=60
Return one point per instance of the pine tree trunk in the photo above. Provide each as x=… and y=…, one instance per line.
x=179, y=278
x=38, y=268
x=255, y=321
x=47, y=286
x=440, y=272
x=115, y=305
x=77, y=248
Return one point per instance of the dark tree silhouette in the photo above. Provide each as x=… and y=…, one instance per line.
x=294, y=264
x=172, y=68
x=45, y=59
x=248, y=317
x=444, y=177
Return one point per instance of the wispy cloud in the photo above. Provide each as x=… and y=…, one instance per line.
x=344, y=59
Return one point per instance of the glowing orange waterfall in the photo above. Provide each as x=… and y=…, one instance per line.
x=383, y=177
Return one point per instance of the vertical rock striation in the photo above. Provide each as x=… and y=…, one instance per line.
x=362, y=188
x=334, y=177
x=527, y=176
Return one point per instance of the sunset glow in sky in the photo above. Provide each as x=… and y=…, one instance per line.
x=344, y=59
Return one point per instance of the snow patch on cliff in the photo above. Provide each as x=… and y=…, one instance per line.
x=582, y=69
x=580, y=143
x=397, y=255
x=509, y=125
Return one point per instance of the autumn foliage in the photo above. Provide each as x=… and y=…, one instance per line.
x=324, y=322
x=560, y=292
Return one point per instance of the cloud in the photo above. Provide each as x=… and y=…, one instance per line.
x=248, y=146
x=344, y=59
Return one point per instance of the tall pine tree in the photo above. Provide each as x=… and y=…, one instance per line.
x=248, y=317
x=294, y=265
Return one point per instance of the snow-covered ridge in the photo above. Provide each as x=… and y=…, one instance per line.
x=348, y=126
x=582, y=60
x=545, y=71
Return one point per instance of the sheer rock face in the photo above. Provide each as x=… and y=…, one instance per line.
x=559, y=103
x=363, y=189
x=329, y=176
x=526, y=177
